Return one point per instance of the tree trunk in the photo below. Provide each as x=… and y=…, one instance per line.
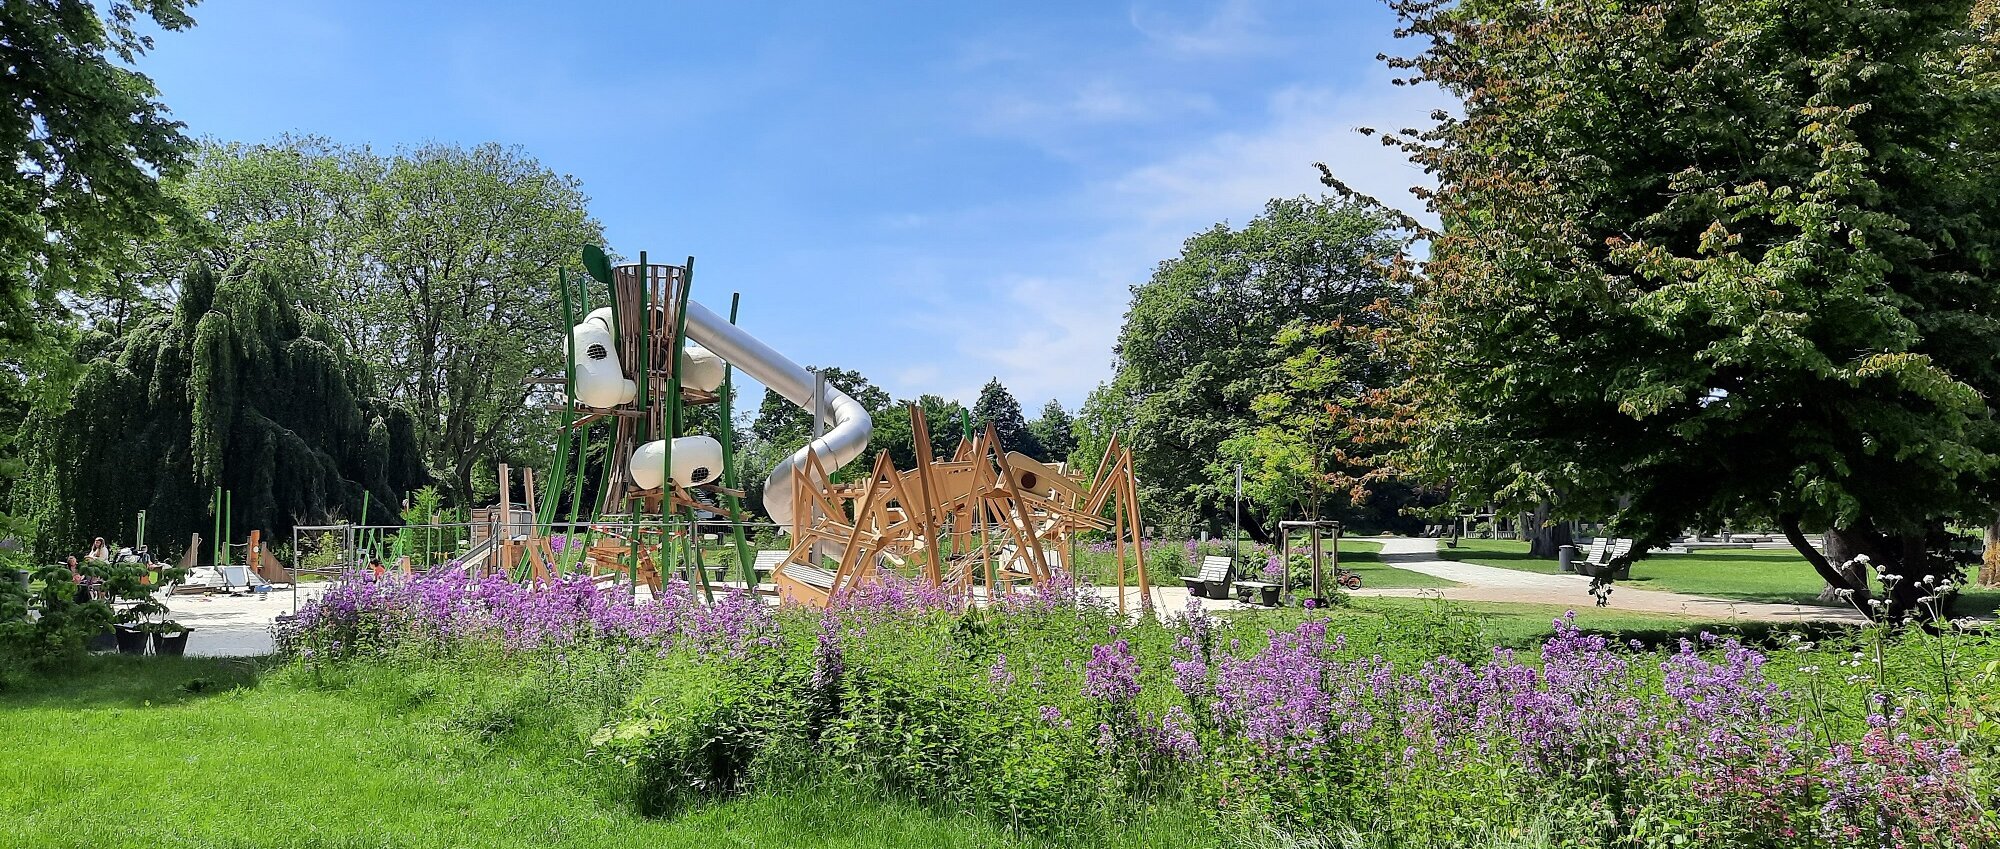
x=1548, y=541
x=1836, y=577
x=1902, y=562
x=1840, y=554
x=1253, y=525
x=1522, y=533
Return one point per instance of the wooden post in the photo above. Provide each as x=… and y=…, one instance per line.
x=1138, y=532
x=503, y=546
x=1118, y=533
x=920, y=433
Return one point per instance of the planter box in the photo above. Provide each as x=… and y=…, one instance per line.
x=172, y=645
x=131, y=640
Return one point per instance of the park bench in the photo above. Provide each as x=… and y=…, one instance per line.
x=1213, y=580
x=1602, y=552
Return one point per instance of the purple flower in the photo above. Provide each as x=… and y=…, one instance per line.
x=1112, y=674
x=999, y=674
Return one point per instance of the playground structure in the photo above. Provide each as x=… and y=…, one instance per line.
x=987, y=518
x=642, y=369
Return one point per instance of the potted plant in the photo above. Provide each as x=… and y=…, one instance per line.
x=170, y=638
x=131, y=633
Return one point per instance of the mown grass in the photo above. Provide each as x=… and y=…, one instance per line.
x=1360, y=555
x=1768, y=575
x=1521, y=625
x=196, y=752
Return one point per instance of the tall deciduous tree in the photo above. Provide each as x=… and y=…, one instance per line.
x=86, y=139
x=1196, y=349
x=437, y=265
x=1725, y=261
x=1328, y=427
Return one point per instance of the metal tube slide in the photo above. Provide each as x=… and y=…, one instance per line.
x=848, y=425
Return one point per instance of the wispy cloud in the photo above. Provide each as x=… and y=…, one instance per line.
x=1052, y=332
x=1234, y=27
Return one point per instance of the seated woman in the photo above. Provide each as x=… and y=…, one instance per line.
x=99, y=551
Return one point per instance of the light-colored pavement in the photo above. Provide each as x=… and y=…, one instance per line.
x=1491, y=583
x=1494, y=584
x=235, y=625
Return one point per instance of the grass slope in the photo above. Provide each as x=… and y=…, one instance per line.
x=1771, y=576
x=196, y=752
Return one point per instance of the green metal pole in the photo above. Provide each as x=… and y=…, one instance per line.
x=675, y=413
x=228, y=524
x=558, y=481
x=582, y=448
x=731, y=477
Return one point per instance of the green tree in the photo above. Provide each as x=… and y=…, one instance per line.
x=782, y=423
x=1719, y=263
x=998, y=408
x=1055, y=433
x=436, y=264
x=87, y=139
x=1196, y=348
x=1328, y=427
x=239, y=387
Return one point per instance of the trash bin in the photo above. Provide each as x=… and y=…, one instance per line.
x=1567, y=557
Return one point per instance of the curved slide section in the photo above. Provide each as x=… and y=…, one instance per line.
x=848, y=426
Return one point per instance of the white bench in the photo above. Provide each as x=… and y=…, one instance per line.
x=1213, y=579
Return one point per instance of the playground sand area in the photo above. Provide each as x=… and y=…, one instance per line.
x=239, y=625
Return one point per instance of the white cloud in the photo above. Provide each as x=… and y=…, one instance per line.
x=1052, y=332
x=1234, y=28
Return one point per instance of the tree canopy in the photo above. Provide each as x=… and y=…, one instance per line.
x=997, y=407
x=436, y=265
x=1716, y=262
x=239, y=387
x=1055, y=432
x=87, y=139
x=1197, y=347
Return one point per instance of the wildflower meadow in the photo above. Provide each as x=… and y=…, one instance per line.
x=1050, y=715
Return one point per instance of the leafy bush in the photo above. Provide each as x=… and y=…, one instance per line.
x=1052, y=714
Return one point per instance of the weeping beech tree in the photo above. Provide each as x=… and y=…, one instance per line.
x=238, y=387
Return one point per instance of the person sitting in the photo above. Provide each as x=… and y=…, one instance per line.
x=99, y=551
x=76, y=577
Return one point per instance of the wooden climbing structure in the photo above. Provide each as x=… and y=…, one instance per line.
x=987, y=521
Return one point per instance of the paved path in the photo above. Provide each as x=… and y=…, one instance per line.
x=1492, y=583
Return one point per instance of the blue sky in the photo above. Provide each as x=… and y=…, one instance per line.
x=932, y=194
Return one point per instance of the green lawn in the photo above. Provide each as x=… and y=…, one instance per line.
x=166, y=752
x=1365, y=557
x=1434, y=626
x=1773, y=576
x=1361, y=555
